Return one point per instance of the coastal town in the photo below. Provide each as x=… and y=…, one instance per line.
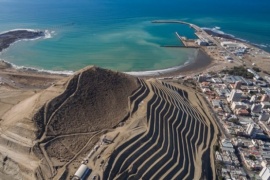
x=235, y=87
x=241, y=108
x=239, y=95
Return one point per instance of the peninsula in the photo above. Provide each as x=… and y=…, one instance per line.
x=7, y=38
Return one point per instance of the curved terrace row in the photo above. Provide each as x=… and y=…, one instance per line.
x=176, y=140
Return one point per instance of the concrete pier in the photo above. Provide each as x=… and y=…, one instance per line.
x=174, y=46
x=182, y=39
x=193, y=26
x=189, y=43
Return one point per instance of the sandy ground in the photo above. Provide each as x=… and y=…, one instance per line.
x=62, y=133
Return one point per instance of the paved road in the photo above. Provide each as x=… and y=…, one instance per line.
x=214, y=114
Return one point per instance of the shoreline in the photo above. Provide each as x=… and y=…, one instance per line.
x=201, y=62
x=7, y=38
x=204, y=61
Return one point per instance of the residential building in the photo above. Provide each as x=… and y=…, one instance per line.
x=241, y=112
x=223, y=92
x=264, y=116
x=238, y=105
x=237, y=85
x=201, y=78
x=253, y=130
x=216, y=103
x=265, y=173
x=265, y=98
x=235, y=95
x=250, y=129
x=256, y=108
x=216, y=80
x=265, y=105
x=226, y=145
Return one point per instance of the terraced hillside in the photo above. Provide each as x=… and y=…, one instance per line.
x=120, y=126
x=169, y=135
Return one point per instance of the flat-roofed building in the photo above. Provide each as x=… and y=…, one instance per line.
x=233, y=45
x=265, y=98
x=217, y=80
x=226, y=145
x=241, y=112
x=265, y=105
x=256, y=108
x=238, y=105
x=265, y=173
x=237, y=85
x=235, y=95
x=223, y=92
x=264, y=116
x=201, y=78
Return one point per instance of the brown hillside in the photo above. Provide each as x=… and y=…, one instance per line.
x=95, y=99
x=61, y=121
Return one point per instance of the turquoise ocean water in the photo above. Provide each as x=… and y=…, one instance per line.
x=119, y=34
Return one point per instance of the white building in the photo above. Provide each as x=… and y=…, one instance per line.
x=233, y=45
x=265, y=173
x=217, y=80
x=235, y=95
x=82, y=173
x=226, y=145
x=238, y=105
x=265, y=98
x=201, y=42
x=250, y=129
x=216, y=103
x=253, y=129
x=253, y=98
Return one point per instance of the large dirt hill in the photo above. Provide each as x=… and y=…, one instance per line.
x=118, y=126
x=44, y=134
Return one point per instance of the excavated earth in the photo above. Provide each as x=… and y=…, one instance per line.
x=120, y=126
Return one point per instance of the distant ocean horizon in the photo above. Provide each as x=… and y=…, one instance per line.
x=119, y=34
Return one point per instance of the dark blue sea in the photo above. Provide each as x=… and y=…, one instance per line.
x=118, y=34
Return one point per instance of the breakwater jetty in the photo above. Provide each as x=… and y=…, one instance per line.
x=188, y=43
x=193, y=26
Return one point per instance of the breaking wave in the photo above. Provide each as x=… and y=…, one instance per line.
x=47, y=33
x=217, y=31
x=31, y=69
x=160, y=71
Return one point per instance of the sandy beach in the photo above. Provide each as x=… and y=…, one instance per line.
x=199, y=64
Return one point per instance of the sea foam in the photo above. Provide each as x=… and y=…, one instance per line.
x=31, y=69
x=158, y=72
